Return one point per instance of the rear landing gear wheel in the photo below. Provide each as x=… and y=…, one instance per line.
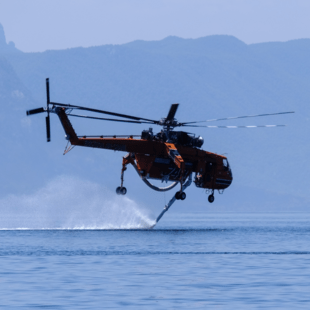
x=121, y=190
x=211, y=198
x=177, y=196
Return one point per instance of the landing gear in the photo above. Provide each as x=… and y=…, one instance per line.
x=211, y=198
x=180, y=195
x=121, y=190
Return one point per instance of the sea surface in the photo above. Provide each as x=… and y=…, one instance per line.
x=188, y=261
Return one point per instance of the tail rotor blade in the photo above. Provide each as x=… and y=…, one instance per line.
x=47, y=91
x=40, y=110
x=48, y=128
x=48, y=124
x=35, y=111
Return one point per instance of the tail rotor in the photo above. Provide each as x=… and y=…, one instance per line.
x=41, y=110
x=47, y=119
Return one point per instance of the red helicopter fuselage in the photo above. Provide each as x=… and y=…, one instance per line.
x=158, y=159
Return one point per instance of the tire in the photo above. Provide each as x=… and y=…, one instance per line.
x=211, y=198
x=118, y=190
x=123, y=190
x=182, y=196
x=177, y=196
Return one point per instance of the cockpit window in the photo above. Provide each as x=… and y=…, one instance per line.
x=225, y=164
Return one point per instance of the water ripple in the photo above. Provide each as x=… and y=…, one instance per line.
x=140, y=253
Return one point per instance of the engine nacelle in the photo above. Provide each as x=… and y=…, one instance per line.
x=197, y=142
x=147, y=134
x=183, y=138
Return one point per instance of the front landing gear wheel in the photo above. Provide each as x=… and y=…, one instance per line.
x=121, y=190
x=182, y=196
x=211, y=198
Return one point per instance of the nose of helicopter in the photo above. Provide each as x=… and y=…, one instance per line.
x=222, y=182
x=224, y=175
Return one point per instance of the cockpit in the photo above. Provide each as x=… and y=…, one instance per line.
x=226, y=165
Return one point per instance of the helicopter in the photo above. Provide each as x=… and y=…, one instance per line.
x=168, y=156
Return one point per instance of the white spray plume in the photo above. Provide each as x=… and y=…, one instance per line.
x=71, y=203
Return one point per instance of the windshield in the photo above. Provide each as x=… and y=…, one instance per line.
x=225, y=164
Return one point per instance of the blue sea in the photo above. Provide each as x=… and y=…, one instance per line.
x=188, y=261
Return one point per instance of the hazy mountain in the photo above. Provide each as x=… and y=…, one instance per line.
x=211, y=77
x=6, y=47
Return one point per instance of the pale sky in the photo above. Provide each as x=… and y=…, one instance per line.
x=38, y=25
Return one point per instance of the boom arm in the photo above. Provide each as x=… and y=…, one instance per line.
x=66, y=124
x=117, y=144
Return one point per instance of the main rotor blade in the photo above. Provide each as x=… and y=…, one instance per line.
x=233, y=127
x=35, y=111
x=229, y=118
x=172, y=111
x=110, y=119
x=103, y=112
x=48, y=128
x=110, y=136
